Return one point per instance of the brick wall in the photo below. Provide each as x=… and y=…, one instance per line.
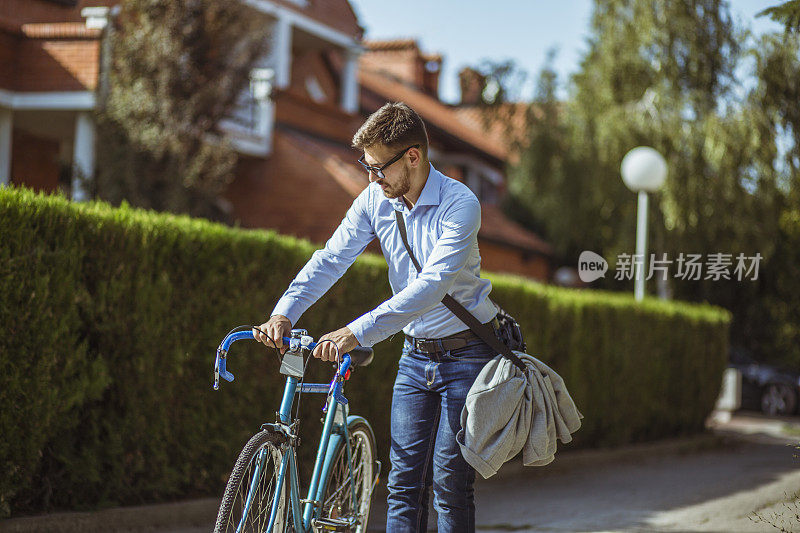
x=34, y=162
x=311, y=63
x=57, y=65
x=24, y=11
x=8, y=60
x=325, y=120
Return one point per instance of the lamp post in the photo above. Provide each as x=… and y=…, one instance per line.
x=643, y=170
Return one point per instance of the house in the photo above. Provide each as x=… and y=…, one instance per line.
x=462, y=145
x=50, y=68
x=292, y=126
x=49, y=64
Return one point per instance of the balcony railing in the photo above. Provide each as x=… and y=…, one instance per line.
x=250, y=124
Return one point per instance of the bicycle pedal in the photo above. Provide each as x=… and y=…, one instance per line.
x=333, y=524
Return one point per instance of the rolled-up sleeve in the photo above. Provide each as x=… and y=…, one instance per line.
x=328, y=264
x=460, y=225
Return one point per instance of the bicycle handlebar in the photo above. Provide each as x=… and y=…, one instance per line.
x=303, y=342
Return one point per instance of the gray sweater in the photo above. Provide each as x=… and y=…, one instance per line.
x=506, y=412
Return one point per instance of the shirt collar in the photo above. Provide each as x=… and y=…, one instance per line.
x=429, y=194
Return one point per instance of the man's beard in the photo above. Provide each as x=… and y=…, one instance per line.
x=402, y=186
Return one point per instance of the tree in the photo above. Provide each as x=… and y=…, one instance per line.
x=176, y=70
x=787, y=13
x=776, y=96
x=663, y=73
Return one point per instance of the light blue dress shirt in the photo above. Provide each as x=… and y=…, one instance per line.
x=443, y=234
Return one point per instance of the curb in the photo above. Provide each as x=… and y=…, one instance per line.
x=157, y=517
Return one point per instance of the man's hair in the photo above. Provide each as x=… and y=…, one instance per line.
x=394, y=125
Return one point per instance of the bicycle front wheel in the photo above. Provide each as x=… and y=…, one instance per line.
x=343, y=500
x=252, y=492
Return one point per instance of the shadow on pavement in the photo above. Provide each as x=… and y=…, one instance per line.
x=713, y=482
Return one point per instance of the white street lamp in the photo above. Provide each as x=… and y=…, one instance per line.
x=643, y=170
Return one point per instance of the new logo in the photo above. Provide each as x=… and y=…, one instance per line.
x=591, y=266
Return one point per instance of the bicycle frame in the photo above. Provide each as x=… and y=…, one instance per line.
x=334, y=428
x=303, y=512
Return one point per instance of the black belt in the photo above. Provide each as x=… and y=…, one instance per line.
x=451, y=342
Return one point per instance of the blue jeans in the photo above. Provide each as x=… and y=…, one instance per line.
x=427, y=399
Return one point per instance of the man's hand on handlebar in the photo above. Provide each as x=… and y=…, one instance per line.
x=343, y=338
x=276, y=328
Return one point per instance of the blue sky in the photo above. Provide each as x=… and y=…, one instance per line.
x=467, y=31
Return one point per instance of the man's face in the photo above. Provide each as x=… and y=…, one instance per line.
x=398, y=175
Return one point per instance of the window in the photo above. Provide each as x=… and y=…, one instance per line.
x=314, y=89
x=247, y=112
x=250, y=122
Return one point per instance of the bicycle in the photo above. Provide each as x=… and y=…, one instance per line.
x=263, y=491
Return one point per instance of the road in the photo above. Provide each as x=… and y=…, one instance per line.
x=740, y=477
x=724, y=485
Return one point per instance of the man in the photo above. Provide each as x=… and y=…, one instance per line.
x=441, y=357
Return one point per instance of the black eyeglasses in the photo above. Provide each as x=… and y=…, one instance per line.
x=379, y=170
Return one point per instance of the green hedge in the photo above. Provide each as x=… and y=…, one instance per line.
x=110, y=318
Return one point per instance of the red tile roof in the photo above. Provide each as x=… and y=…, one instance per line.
x=303, y=188
x=399, y=44
x=39, y=11
x=339, y=162
x=432, y=111
x=495, y=226
x=393, y=44
x=507, y=124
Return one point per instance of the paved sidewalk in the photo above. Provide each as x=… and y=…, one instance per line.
x=716, y=482
x=716, y=489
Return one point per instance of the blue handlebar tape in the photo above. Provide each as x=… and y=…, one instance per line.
x=248, y=334
x=239, y=335
x=224, y=374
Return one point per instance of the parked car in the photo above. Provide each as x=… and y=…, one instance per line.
x=771, y=389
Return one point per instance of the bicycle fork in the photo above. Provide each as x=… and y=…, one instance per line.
x=251, y=491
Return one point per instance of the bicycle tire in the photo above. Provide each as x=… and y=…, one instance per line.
x=239, y=485
x=337, y=497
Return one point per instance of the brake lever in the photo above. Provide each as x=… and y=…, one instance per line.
x=219, y=368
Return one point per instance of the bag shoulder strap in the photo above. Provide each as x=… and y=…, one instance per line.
x=481, y=330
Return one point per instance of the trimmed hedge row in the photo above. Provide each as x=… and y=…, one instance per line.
x=110, y=318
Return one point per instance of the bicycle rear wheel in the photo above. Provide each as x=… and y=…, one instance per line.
x=252, y=488
x=338, y=498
